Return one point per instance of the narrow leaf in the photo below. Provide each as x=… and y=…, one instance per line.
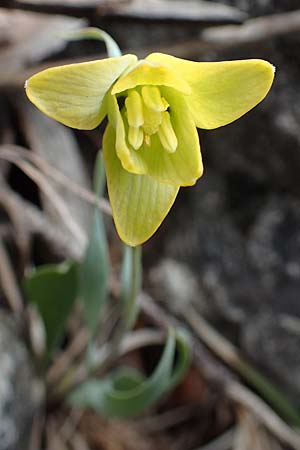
x=93, y=272
x=126, y=392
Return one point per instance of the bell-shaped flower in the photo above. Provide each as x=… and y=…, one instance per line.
x=154, y=106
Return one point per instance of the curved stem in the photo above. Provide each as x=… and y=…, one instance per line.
x=112, y=47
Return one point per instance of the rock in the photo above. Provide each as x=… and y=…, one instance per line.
x=206, y=239
x=174, y=284
x=20, y=392
x=272, y=342
x=274, y=248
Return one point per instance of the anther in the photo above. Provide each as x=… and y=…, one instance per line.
x=166, y=134
x=134, y=108
x=135, y=137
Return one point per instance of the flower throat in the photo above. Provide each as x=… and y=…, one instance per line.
x=146, y=113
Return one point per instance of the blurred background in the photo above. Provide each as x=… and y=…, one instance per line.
x=230, y=246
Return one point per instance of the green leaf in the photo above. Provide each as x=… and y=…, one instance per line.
x=139, y=203
x=94, y=270
x=53, y=289
x=126, y=392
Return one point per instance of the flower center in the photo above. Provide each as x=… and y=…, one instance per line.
x=147, y=114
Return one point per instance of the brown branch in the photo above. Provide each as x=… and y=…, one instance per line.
x=76, y=9
x=18, y=152
x=37, y=223
x=200, y=11
x=223, y=442
x=9, y=282
x=243, y=396
x=59, y=205
x=256, y=30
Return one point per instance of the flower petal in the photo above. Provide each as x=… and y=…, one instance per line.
x=129, y=158
x=184, y=166
x=146, y=73
x=73, y=94
x=221, y=91
x=139, y=203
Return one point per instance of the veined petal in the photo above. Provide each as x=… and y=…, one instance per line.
x=147, y=73
x=184, y=166
x=129, y=158
x=221, y=91
x=73, y=94
x=139, y=202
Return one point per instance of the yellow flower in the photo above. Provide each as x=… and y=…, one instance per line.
x=154, y=106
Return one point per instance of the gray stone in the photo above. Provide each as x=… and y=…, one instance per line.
x=173, y=283
x=208, y=240
x=274, y=249
x=20, y=392
x=272, y=342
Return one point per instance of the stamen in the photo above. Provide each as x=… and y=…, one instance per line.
x=135, y=136
x=134, y=108
x=166, y=134
x=153, y=100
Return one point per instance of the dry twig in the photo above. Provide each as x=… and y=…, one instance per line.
x=17, y=152
x=223, y=442
x=60, y=207
x=165, y=420
x=64, y=361
x=225, y=380
x=76, y=8
x=260, y=29
x=243, y=396
x=9, y=282
x=37, y=223
x=201, y=11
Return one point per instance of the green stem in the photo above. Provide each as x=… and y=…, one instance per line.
x=131, y=284
x=112, y=47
